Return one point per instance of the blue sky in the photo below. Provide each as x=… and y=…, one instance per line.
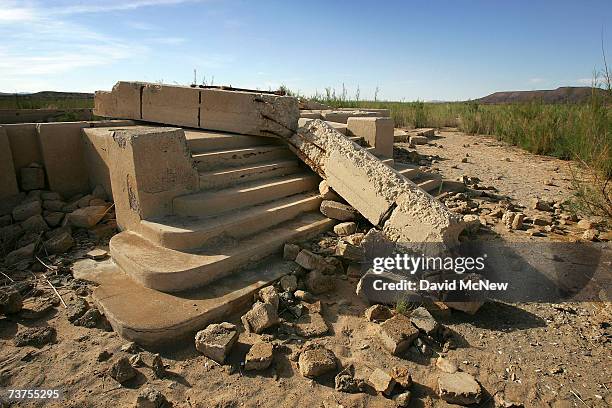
x=427, y=50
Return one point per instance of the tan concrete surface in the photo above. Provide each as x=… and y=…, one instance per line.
x=24, y=144
x=62, y=150
x=377, y=132
x=240, y=112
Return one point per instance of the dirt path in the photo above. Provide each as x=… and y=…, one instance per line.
x=541, y=355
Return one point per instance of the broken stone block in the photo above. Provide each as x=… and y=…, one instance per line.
x=338, y=211
x=472, y=223
x=50, y=196
x=290, y=252
x=76, y=309
x=459, y=388
x=303, y=296
x=539, y=204
x=345, y=381
x=446, y=365
x=11, y=301
x=350, y=252
x=345, y=228
x=60, y=243
x=90, y=319
x=216, y=340
x=311, y=325
x=151, y=398
x=424, y=321
x=35, y=337
x=54, y=219
x=32, y=177
x=35, y=308
x=24, y=211
x=418, y=140
x=326, y=192
x=269, y=295
x=121, y=370
x=35, y=223
x=260, y=317
x=53, y=205
x=316, y=361
x=97, y=254
x=25, y=253
x=402, y=400
x=401, y=375
x=397, y=334
x=381, y=381
x=316, y=282
x=589, y=235
x=517, y=222
x=86, y=217
x=289, y=283
x=376, y=132
x=310, y=261
x=259, y=356
x=378, y=313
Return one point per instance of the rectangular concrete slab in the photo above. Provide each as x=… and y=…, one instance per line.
x=249, y=113
x=377, y=132
x=64, y=158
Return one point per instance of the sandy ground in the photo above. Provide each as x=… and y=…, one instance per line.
x=542, y=355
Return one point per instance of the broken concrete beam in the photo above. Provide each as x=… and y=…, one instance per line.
x=377, y=132
x=381, y=112
x=342, y=116
x=405, y=213
x=248, y=113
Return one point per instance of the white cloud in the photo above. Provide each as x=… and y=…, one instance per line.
x=536, y=80
x=585, y=81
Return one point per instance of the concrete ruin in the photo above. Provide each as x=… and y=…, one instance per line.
x=219, y=187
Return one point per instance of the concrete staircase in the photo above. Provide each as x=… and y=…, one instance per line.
x=180, y=272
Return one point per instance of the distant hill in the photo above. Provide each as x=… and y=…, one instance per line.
x=565, y=94
x=47, y=95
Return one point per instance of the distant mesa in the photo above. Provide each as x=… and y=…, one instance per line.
x=565, y=94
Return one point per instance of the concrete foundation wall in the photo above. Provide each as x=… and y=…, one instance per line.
x=8, y=178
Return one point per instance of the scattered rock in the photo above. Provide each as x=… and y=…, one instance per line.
x=11, y=301
x=269, y=295
x=381, y=381
x=59, y=243
x=345, y=228
x=97, y=254
x=35, y=336
x=216, y=340
x=584, y=224
x=289, y=283
x=24, y=211
x=54, y=219
x=104, y=355
x=32, y=177
x=418, y=140
x=290, y=252
x=402, y=376
x=589, y=235
x=311, y=325
x=338, y=211
x=151, y=398
x=459, y=388
x=378, y=313
x=517, y=222
x=310, y=261
x=397, y=334
x=327, y=193
x=77, y=309
x=403, y=399
x=259, y=356
x=446, y=365
x=316, y=360
x=90, y=319
x=260, y=317
x=36, y=308
x=350, y=252
x=130, y=347
x=472, y=223
x=345, y=381
x=317, y=283
x=542, y=220
x=121, y=370
x=424, y=321
x=539, y=204
x=35, y=223
x=303, y=296
x=86, y=217
x=25, y=253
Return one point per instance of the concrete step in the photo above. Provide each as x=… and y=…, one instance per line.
x=429, y=183
x=236, y=175
x=200, y=141
x=168, y=270
x=219, y=159
x=159, y=319
x=182, y=233
x=388, y=162
x=209, y=203
x=409, y=171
